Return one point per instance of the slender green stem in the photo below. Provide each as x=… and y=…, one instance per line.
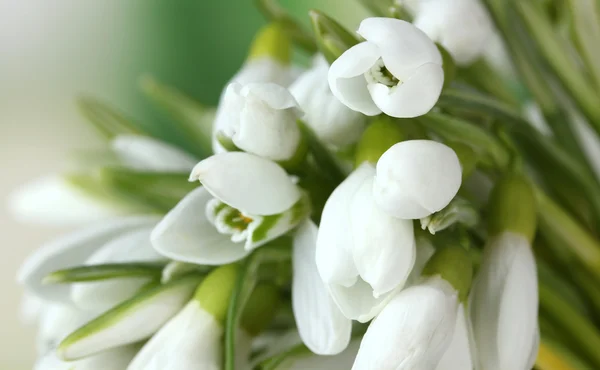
x=322, y=156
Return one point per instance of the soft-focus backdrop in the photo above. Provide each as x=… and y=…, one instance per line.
x=51, y=51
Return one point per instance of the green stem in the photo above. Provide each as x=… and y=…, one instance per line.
x=322, y=156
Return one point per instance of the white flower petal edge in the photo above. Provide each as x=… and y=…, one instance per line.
x=115, y=359
x=133, y=321
x=72, y=250
x=185, y=234
x=413, y=331
x=56, y=322
x=458, y=354
x=143, y=153
x=504, y=304
x=360, y=278
x=99, y=296
x=321, y=325
x=397, y=70
x=333, y=122
x=252, y=184
x=190, y=340
x=416, y=178
x=51, y=200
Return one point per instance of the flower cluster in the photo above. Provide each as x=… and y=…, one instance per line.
x=279, y=232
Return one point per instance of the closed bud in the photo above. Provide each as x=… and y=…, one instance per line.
x=453, y=264
x=380, y=135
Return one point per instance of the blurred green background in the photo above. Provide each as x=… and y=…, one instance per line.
x=52, y=51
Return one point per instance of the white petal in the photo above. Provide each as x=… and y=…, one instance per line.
x=267, y=125
x=332, y=121
x=343, y=360
x=504, y=304
x=52, y=200
x=357, y=301
x=347, y=81
x=191, y=340
x=404, y=47
x=70, y=251
x=31, y=308
x=143, y=153
x=533, y=354
x=334, y=242
x=416, y=178
x=412, y=98
x=185, y=234
x=458, y=354
x=115, y=359
x=383, y=246
x=412, y=332
x=252, y=184
x=323, y=328
x=131, y=322
x=56, y=322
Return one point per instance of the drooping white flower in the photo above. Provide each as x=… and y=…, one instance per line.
x=190, y=340
x=416, y=178
x=322, y=327
x=413, y=331
x=245, y=202
x=134, y=246
x=397, y=70
x=260, y=118
x=363, y=254
x=463, y=27
x=73, y=250
x=333, y=122
x=504, y=304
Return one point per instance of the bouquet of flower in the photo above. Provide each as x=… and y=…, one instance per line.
x=424, y=196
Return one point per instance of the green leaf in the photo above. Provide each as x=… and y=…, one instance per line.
x=104, y=272
x=332, y=38
x=132, y=321
x=322, y=156
x=106, y=120
x=189, y=118
x=274, y=12
x=586, y=24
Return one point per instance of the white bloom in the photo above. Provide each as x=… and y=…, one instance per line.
x=333, y=122
x=260, y=118
x=397, y=70
x=115, y=359
x=134, y=246
x=416, y=178
x=53, y=200
x=458, y=355
x=190, y=340
x=504, y=304
x=323, y=328
x=73, y=250
x=413, y=331
x=463, y=27
x=245, y=202
x=143, y=153
x=363, y=253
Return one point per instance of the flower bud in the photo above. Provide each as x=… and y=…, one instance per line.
x=214, y=292
x=512, y=207
x=416, y=178
x=271, y=42
x=333, y=122
x=380, y=135
x=260, y=118
x=453, y=264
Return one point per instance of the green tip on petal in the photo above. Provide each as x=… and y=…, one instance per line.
x=271, y=42
x=512, y=207
x=379, y=136
x=260, y=308
x=454, y=265
x=215, y=291
x=448, y=65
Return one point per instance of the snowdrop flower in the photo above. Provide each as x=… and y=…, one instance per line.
x=321, y=325
x=504, y=299
x=413, y=331
x=268, y=61
x=363, y=253
x=245, y=202
x=260, y=118
x=397, y=70
x=333, y=122
x=416, y=178
x=463, y=27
